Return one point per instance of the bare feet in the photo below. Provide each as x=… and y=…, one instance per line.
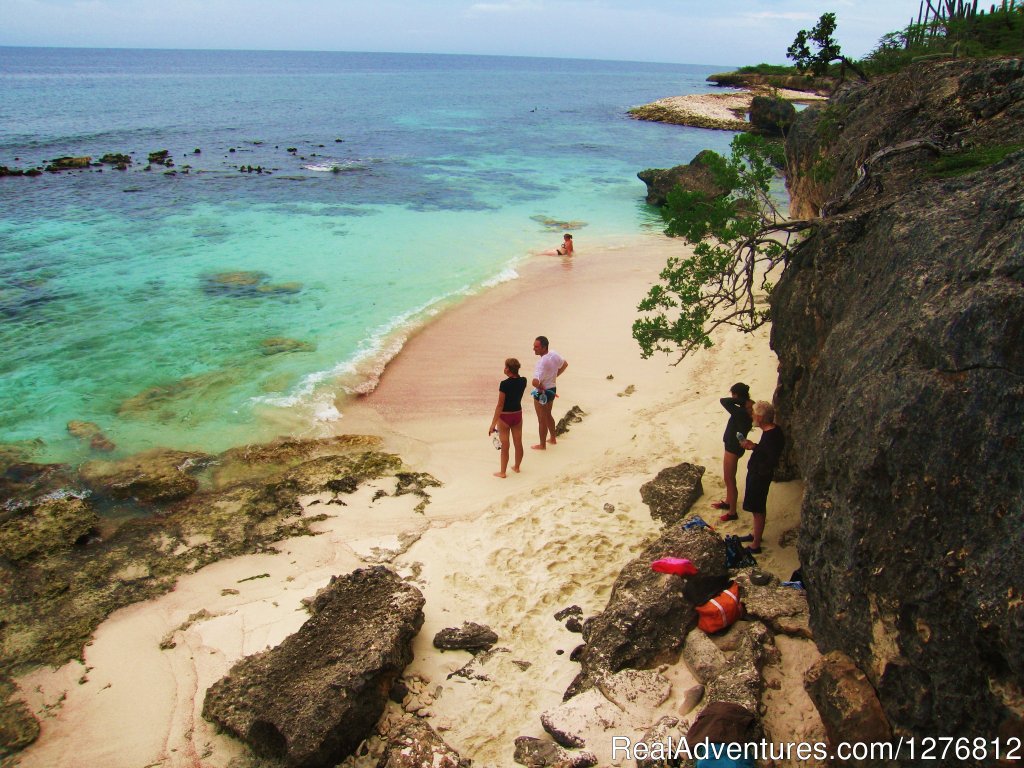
x=539, y=447
x=515, y=469
x=552, y=441
x=500, y=474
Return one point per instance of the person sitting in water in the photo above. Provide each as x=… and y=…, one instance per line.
x=565, y=249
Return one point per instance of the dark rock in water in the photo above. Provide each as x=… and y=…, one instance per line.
x=68, y=163
x=279, y=345
x=87, y=430
x=51, y=525
x=18, y=726
x=537, y=753
x=694, y=177
x=468, y=637
x=160, y=157
x=899, y=327
x=771, y=116
x=573, y=416
x=558, y=225
x=673, y=491
x=313, y=699
x=647, y=616
x=847, y=703
x=112, y=158
x=153, y=476
x=246, y=284
x=417, y=745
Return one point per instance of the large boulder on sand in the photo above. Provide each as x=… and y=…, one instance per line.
x=647, y=616
x=673, y=491
x=695, y=177
x=313, y=699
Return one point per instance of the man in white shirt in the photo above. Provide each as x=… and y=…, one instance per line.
x=550, y=366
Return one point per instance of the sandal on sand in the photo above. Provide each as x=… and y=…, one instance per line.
x=748, y=537
x=753, y=551
x=727, y=517
x=723, y=504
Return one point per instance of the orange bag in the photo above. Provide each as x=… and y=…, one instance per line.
x=721, y=611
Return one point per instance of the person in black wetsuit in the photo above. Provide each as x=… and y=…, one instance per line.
x=761, y=467
x=508, y=414
x=738, y=404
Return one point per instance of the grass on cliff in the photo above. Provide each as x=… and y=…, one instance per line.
x=971, y=160
x=769, y=69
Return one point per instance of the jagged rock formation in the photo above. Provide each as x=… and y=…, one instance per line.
x=771, y=116
x=899, y=326
x=417, y=745
x=695, y=176
x=753, y=79
x=647, y=616
x=310, y=701
x=674, y=490
x=469, y=637
x=59, y=578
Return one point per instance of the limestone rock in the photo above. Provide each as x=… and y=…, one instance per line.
x=647, y=616
x=52, y=525
x=905, y=308
x=847, y=703
x=696, y=176
x=771, y=116
x=469, y=637
x=417, y=745
x=573, y=416
x=703, y=657
x=279, y=345
x=673, y=491
x=68, y=163
x=88, y=431
x=783, y=609
x=18, y=726
x=154, y=476
x=617, y=704
x=740, y=681
x=668, y=732
x=313, y=699
x=537, y=753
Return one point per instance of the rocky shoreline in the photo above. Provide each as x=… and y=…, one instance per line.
x=716, y=111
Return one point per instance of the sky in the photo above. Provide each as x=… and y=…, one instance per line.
x=721, y=32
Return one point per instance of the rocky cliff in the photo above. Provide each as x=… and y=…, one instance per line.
x=899, y=326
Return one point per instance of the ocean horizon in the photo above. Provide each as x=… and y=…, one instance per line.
x=312, y=210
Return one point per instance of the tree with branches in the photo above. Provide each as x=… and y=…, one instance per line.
x=738, y=238
x=827, y=50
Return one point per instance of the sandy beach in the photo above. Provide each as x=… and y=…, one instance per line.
x=506, y=553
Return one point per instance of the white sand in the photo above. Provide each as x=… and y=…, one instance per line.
x=506, y=553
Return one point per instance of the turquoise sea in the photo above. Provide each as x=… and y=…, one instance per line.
x=202, y=306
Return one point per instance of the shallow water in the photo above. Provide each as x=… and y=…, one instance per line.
x=208, y=306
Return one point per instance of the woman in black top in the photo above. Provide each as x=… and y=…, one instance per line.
x=508, y=414
x=738, y=404
x=761, y=468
